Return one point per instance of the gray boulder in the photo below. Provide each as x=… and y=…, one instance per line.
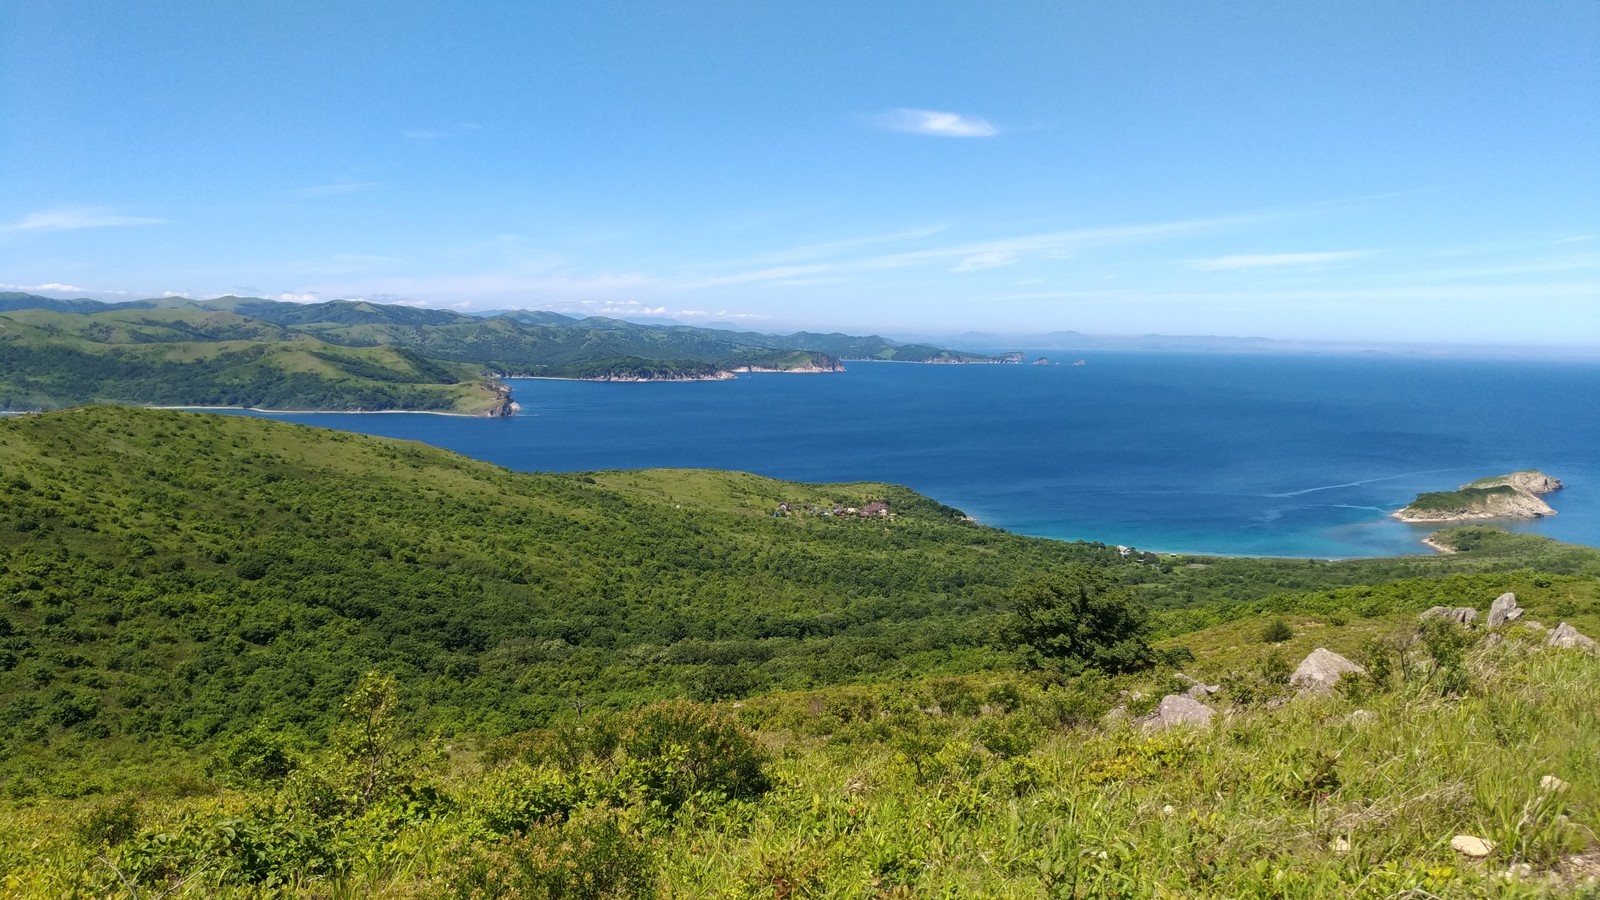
x=1198, y=690
x=1321, y=670
x=1504, y=609
x=1567, y=636
x=1176, y=709
x=1461, y=615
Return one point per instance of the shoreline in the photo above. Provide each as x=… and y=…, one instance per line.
x=329, y=412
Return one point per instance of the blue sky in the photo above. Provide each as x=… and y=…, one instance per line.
x=1401, y=171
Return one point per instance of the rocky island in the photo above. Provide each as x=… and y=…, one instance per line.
x=1512, y=496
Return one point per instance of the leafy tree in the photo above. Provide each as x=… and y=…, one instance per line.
x=367, y=740
x=1078, y=619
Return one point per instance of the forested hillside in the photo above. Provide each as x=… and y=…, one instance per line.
x=238, y=655
x=347, y=355
x=180, y=575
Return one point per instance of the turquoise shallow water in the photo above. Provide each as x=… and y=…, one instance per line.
x=1215, y=453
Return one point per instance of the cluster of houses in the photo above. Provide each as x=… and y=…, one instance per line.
x=877, y=509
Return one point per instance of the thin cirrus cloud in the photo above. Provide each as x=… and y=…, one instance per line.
x=934, y=123
x=438, y=134
x=1272, y=260
x=73, y=219
x=335, y=189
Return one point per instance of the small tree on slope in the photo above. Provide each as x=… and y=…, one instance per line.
x=1078, y=619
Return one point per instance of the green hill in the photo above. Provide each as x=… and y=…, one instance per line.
x=358, y=355
x=188, y=603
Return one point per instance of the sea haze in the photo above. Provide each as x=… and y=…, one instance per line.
x=1206, y=453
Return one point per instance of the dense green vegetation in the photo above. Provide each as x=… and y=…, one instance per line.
x=238, y=655
x=354, y=355
x=1464, y=499
x=983, y=786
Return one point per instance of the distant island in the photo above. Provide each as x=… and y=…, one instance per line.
x=1512, y=496
x=356, y=356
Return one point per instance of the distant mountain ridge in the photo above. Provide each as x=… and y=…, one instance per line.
x=360, y=355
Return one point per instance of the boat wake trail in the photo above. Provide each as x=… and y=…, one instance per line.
x=1349, y=484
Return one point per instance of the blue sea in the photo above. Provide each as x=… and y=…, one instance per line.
x=1207, y=453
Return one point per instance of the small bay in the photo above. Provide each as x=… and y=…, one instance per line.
x=1208, y=453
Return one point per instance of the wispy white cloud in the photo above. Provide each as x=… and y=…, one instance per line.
x=844, y=245
x=436, y=134
x=935, y=123
x=1576, y=262
x=1273, y=260
x=988, y=259
x=335, y=189
x=1532, y=292
x=74, y=218
x=978, y=255
x=51, y=287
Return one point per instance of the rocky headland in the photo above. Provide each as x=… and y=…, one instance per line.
x=1512, y=496
x=808, y=369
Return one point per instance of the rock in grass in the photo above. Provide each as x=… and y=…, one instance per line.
x=1550, y=784
x=1198, y=690
x=1461, y=615
x=1467, y=845
x=1321, y=670
x=1503, y=610
x=1176, y=709
x=1567, y=636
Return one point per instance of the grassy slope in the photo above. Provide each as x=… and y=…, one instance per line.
x=984, y=786
x=169, y=578
x=183, y=575
x=203, y=357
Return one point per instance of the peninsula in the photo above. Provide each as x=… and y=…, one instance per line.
x=1512, y=496
x=344, y=356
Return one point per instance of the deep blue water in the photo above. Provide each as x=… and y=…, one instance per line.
x=1215, y=453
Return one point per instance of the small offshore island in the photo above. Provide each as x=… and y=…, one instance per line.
x=1511, y=496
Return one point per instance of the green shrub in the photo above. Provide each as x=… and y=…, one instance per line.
x=109, y=824
x=1446, y=644
x=254, y=759
x=1276, y=632
x=1267, y=680
x=597, y=854
x=519, y=797
x=671, y=752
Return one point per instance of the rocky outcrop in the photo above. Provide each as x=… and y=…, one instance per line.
x=1511, y=496
x=1176, y=709
x=808, y=369
x=1321, y=670
x=1504, y=609
x=636, y=378
x=1565, y=635
x=503, y=406
x=1461, y=615
x=1530, y=481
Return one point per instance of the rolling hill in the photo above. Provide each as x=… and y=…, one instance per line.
x=348, y=355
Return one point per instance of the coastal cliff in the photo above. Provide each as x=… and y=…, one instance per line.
x=809, y=369
x=641, y=377
x=1512, y=496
